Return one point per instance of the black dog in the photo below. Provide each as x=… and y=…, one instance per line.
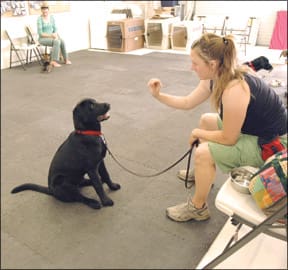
x=258, y=63
x=83, y=152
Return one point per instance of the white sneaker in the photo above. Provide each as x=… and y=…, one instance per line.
x=182, y=175
x=187, y=211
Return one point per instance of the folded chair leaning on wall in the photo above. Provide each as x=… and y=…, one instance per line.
x=22, y=49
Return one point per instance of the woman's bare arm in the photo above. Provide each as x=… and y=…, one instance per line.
x=196, y=97
x=235, y=103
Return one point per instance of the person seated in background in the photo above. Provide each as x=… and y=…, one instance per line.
x=48, y=36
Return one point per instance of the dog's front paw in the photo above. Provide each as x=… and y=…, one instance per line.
x=114, y=186
x=93, y=204
x=107, y=202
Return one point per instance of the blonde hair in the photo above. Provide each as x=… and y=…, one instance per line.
x=213, y=47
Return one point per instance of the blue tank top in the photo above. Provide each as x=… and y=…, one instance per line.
x=266, y=115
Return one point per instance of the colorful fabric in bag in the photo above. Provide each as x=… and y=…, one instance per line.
x=269, y=184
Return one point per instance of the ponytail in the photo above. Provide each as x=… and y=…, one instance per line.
x=213, y=47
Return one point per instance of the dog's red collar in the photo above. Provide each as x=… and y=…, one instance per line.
x=252, y=66
x=89, y=132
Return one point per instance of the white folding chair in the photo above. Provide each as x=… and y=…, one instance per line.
x=32, y=39
x=44, y=51
x=242, y=209
x=214, y=24
x=22, y=49
x=242, y=36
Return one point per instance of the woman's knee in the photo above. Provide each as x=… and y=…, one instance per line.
x=62, y=42
x=208, y=121
x=56, y=43
x=202, y=155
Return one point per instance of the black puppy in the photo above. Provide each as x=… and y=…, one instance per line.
x=83, y=152
x=258, y=63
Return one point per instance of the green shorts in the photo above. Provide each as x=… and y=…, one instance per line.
x=246, y=152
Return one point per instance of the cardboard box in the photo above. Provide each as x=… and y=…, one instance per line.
x=117, y=44
x=126, y=28
x=125, y=35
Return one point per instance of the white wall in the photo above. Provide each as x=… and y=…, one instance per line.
x=74, y=25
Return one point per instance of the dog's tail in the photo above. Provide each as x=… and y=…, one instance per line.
x=33, y=187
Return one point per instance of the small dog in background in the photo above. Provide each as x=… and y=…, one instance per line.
x=259, y=63
x=284, y=54
x=47, y=67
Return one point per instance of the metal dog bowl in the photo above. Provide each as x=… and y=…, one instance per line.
x=240, y=178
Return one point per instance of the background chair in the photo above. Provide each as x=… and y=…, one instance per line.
x=43, y=51
x=242, y=36
x=24, y=51
x=214, y=24
x=33, y=40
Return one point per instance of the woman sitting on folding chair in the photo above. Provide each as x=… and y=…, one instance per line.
x=48, y=36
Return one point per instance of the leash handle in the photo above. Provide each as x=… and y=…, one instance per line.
x=195, y=143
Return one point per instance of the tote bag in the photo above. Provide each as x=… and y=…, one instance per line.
x=269, y=184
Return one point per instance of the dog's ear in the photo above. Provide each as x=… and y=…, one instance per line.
x=82, y=113
x=78, y=117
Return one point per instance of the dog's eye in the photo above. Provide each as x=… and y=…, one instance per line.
x=92, y=105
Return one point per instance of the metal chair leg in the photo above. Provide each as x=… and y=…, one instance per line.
x=19, y=58
x=38, y=56
x=261, y=228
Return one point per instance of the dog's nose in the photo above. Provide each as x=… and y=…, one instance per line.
x=107, y=106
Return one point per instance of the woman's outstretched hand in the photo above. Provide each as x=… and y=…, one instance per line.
x=155, y=86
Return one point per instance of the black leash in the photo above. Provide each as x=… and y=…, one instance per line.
x=189, y=152
x=196, y=143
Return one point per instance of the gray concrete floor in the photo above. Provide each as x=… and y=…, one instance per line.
x=39, y=232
